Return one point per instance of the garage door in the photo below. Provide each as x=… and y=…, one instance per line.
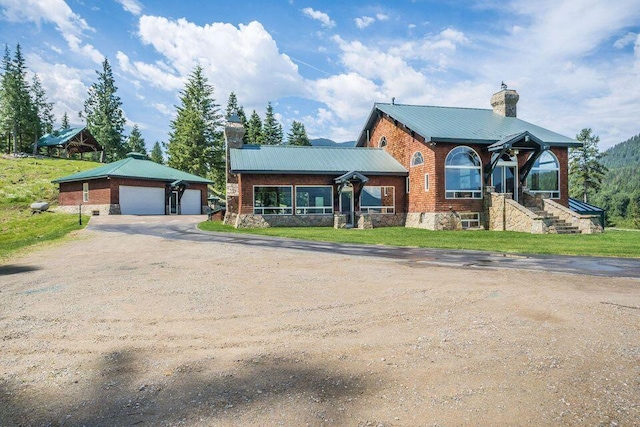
x=191, y=203
x=141, y=200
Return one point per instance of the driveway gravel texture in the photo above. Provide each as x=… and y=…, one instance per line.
x=130, y=329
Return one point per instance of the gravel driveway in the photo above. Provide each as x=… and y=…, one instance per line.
x=120, y=328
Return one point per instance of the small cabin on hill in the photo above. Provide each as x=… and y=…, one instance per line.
x=438, y=168
x=67, y=142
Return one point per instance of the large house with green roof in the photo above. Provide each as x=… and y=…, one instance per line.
x=134, y=186
x=418, y=166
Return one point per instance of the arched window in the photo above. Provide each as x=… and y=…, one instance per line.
x=463, y=174
x=544, y=177
x=417, y=159
x=383, y=142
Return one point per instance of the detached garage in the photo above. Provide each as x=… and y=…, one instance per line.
x=134, y=186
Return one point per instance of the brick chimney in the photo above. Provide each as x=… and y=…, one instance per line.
x=504, y=102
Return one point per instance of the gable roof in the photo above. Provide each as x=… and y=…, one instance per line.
x=61, y=137
x=291, y=159
x=463, y=125
x=134, y=166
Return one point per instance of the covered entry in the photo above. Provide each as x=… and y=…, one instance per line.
x=349, y=189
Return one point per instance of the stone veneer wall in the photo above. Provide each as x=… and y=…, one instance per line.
x=387, y=220
x=505, y=214
x=89, y=209
x=588, y=224
x=433, y=220
x=266, y=221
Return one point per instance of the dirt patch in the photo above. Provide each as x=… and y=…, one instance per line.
x=134, y=330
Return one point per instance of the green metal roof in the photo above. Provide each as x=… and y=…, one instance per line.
x=134, y=167
x=64, y=135
x=313, y=160
x=466, y=125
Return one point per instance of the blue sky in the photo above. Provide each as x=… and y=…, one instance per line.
x=575, y=63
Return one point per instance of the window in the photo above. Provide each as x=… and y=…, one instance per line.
x=377, y=199
x=426, y=182
x=470, y=219
x=314, y=200
x=463, y=174
x=544, y=177
x=272, y=200
x=417, y=159
x=383, y=142
x=85, y=191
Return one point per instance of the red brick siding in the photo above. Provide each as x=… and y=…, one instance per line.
x=402, y=145
x=105, y=191
x=248, y=181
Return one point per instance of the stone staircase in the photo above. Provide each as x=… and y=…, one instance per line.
x=555, y=224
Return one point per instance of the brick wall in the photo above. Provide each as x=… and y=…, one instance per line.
x=248, y=181
x=105, y=191
x=402, y=145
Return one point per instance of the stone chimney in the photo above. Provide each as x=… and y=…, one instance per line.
x=233, y=133
x=504, y=102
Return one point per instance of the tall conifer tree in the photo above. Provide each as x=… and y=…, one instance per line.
x=135, y=143
x=104, y=116
x=195, y=142
x=156, y=153
x=271, y=129
x=298, y=135
x=254, y=129
x=586, y=169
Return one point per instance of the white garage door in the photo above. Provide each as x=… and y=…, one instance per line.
x=191, y=202
x=141, y=200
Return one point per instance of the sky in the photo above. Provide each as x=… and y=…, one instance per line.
x=575, y=63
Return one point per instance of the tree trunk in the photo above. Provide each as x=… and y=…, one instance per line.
x=584, y=193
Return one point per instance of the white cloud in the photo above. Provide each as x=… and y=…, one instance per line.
x=382, y=17
x=163, y=108
x=70, y=25
x=132, y=6
x=364, y=22
x=153, y=74
x=64, y=86
x=245, y=60
x=627, y=39
x=322, y=17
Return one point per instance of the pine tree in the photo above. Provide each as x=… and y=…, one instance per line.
x=42, y=114
x=104, y=116
x=65, y=121
x=17, y=105
x=156, y=153
x=195, y=142
x=135, y=143
x=271, y=130
x=298, y=135
x=254, y=129
x=633, y=211
x=586, y=170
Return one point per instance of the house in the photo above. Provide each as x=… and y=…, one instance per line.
x=133, y=186
x=418, y=166
x=76, y=140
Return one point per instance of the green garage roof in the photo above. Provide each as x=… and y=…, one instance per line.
x=463, y=125
x=313, y=160
x=134, y=166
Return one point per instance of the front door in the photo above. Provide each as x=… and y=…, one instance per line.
x=173, y=203
x=505, y=178
x=346, y=204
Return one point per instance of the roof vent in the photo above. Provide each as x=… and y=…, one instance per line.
x=138, y=156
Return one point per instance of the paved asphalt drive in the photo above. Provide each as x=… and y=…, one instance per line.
x=184, y=228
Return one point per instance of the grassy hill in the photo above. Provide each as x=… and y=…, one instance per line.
x=622, y=183
x=27, y=180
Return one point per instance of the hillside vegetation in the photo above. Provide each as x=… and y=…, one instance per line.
x=621, y=185
x=27, y=180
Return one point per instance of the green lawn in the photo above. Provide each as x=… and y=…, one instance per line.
x=27, y=180
x=611, y=243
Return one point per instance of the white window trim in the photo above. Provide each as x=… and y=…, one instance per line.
x=325, y=209
x=545, y=192
x=383, y=209
x=475, y=194
x=255, y=209
x=471, y=218
x=426, y=182
x=413, y=158
x=85, y=191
